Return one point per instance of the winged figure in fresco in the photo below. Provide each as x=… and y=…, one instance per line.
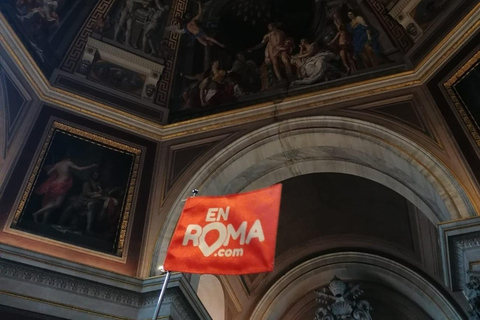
x=191, y=27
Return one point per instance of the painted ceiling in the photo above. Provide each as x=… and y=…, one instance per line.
x=174, y=60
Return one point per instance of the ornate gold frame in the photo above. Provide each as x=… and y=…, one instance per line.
x=460, y=107
x=103, y=142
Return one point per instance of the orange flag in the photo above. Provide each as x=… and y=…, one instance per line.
x=232, y=234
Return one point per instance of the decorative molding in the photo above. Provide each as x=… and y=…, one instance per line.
x=400, y=12
x=398, y=8
x=143, y=298
x=465, y=116
x=123, y=57
x=151, y=70
x=191, y=150
x=397, y=31
x=70, y=284
x=9, y=128
x=173, y=42
x=352, y=266
x=76, y=49
x=460, y=246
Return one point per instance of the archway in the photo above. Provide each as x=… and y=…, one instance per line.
x=362, y=267
x=327, y=144
x=211, y=294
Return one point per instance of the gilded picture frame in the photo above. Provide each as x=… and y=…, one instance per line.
x=468, y=113
x=80, y=190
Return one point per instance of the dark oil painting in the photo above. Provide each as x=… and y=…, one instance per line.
x=79, y=192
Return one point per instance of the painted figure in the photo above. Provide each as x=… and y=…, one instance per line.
x=274, y=41
x=211, y=88
x=316, y=68
x=365, y=44
x=307, y=50
x=59, y=181
x=191, y=94
x=126, y=20
x=94, y=203
x=245, y=73
x=192, y=28
x=345, y=49
x=285, y=50
x=152, y=26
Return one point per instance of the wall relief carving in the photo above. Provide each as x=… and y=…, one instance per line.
x=342, y=300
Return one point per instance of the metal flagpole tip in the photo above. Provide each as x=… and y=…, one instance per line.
x=194, y=192
x=161, y=269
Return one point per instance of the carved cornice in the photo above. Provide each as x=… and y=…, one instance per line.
x=71, y=284
x=86, y=288
x=464, y=114
x=458, y=246
x=123, y=57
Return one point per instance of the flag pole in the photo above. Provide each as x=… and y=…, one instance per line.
x=165, y=282
x=160, y=297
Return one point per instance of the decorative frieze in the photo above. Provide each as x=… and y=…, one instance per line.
x=78, y=294
x=123, y=70
x=400, y=12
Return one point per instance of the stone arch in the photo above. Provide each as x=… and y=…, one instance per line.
x=327, y=144
x=318, y=271
x=210, y=292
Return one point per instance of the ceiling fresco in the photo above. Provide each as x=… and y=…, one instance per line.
x=171, y=60
x=46, y=27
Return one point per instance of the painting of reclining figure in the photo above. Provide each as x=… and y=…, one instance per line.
x=79, y=194
x=244, y=50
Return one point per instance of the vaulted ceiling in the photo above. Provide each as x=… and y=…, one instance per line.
x=137, y=72
x=77, y=52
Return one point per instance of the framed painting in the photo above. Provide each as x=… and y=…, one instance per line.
x=80, y=190
x=462, y=88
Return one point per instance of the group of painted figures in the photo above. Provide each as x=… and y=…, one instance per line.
x=139, y=24
x=92, y=210
x=354, y=43
x=148, y=14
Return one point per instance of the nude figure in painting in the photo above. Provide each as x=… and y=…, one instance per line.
x=274, y=41
x=126, y=18
x=58, y=183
